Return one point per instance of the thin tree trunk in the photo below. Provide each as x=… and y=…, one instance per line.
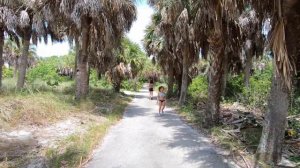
x=184, y=84
x=117, y=87
x=178, y=82
x=270, y=147
x=88, y=76
x=24, y=58
x=248, y=66
x=99, y=76
x=170, y=81
x=77, y=49
x=215, y=81
x=16, y=68
x=82, y=75
x=1, y=54
x=225, y=74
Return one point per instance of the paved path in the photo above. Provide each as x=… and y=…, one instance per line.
x=145, y=140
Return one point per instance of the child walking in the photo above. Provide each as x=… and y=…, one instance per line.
x=151, y=85
x=161, y=98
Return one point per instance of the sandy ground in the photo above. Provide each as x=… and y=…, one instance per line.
x=28, y=139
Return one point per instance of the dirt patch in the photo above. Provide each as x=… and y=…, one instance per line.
x=30, y=139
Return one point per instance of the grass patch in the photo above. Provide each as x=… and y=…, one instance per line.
x=33, y=109
x=76, y=149
x=41, y=105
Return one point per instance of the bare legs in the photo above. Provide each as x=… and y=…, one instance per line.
x=162, y=106
x=151, y=95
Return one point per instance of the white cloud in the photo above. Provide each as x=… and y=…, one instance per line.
x=137, y=31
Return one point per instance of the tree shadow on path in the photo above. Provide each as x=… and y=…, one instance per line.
x=197, y=147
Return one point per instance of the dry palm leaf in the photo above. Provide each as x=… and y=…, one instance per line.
x=284, y=64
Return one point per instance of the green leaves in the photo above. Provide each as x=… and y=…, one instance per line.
x=46, y=69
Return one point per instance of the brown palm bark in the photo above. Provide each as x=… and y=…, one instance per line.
x=170, y=81
x=82, y=75
x=184, y=84
x=1, y=53
x=77, y=50
x=215, y=80
x=178, y=82
x=24, y=58
x=16, y=67
x=248, y=66
x=225, y=73
x=270, y=148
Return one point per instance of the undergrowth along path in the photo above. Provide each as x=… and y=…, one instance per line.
x=145, y=139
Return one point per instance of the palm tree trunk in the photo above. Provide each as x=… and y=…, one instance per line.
x=24, y=58
x=178, y=82
x=270, y=147
x=16, y=68
x=184, y=84
x=215, y=81
x=77, y=50
x=1, y=54
x=225, y=75
x=248, y=66
x=170, y=81
x=82, y=85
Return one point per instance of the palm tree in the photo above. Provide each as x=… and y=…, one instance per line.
x=178, y=46
x=156, y=46
x=12, y=54
x=34, y=22
x=8, y=20
x=97, y=23
x=284, y=44
x=216, y=22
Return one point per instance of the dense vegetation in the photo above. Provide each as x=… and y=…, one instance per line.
x=48, y=98
x=212, y=52
x=250, y=47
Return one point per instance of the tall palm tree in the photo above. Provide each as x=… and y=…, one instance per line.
x=12, y=54
x=157, y=47
x=215, y=23
x=8, y=20
x=180, y=49
x=285, y=40
x=33, y=22
x=100, y=26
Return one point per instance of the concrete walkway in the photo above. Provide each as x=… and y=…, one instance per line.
x=143, y=139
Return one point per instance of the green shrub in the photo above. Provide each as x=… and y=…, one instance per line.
x=295, y=103
x=256, y=96
x=8, y=85
x=198, y=90
x=45, y=71
x=258, y=92
x=131, y=85
x=39, y=86
x=8, y=72
x=234, y=87
x=99, y=83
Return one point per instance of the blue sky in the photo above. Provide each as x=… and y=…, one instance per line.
x=136, y=33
